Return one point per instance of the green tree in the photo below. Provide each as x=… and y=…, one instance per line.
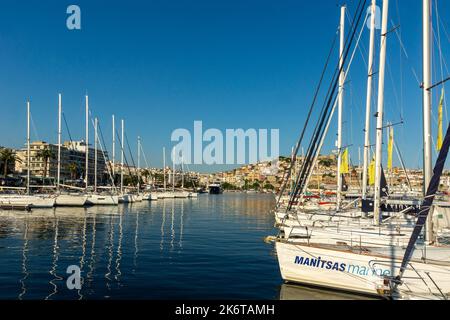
x=74, y=170
x=228, y=186
x=269, y=186
x=46, y=154
x=325, y=163
x=8, y=156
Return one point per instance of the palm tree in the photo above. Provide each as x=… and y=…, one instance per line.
x=73, y=168
x=45, y=154
x=145, y=173
x=7, y=155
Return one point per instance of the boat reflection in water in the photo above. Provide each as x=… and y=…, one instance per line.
x=295, y=292
x=142, y=250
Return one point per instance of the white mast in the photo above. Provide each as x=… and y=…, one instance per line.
x=427, y=157
x=95, y=153
x=87, y=143
x=139, y=165
x=369, y=99
x=340, y=106
x=427, y=93
x=28, y=147
x=113, y=146
x=182, y=174
x=121, y=159
x=173, y=170
x=164, y=168
x=59, y=142
x=379, y=141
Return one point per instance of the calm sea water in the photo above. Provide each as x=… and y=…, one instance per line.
x=206, y=248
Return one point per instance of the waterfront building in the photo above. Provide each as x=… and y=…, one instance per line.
x=73, y=161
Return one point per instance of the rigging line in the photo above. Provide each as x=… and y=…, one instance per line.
x=143, y=154
x=302, y=178
x=125, y=159
x=401, y=75
x=33, y=125
x=67, y=128
x=328, y=97
x=105, y=156
x=362, y=48
x=288, y=173
x=394, y=88
x=413, y=70
x=325, y=118
x=445, y=30
x=402, y=162
x=324, y=115
x=441, y=58
x=129, y=150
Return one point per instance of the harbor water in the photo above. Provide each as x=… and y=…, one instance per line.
x=207, y=248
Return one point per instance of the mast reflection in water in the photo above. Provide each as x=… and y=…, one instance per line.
x=206, y=248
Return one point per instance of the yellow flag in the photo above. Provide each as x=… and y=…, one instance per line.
x=344, y=162
x=390, y=147
x=440, y=132
x=372, y=173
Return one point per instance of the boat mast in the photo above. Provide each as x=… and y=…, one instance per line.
x=379, y=135
x=59, y=141
x=121, y=157
x=87, y=143
x=139, y=165
x=369, y=99
x=164, y=167
x=173, y=170
x=427, y=157
x=113, y=146
x=28, y=147
x=340, y=106
x=182, y=174
x=95, y=153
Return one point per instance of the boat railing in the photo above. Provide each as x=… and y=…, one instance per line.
x=394, y=281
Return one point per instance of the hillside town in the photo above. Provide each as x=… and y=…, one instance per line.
x=265, y=176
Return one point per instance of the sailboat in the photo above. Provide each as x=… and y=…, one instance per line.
x=164, y=194
x=95, y=198
x=65, y=199
x=333, y=256
x=28, y=200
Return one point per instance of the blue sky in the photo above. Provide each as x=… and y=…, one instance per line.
x=162, y=64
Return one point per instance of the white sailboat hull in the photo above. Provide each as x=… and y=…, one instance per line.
x=103, y=200
x=166, y=195
x=181, y=194
x=71, y=200
x=360, y=273
x=153, y=197
x=25, y=200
